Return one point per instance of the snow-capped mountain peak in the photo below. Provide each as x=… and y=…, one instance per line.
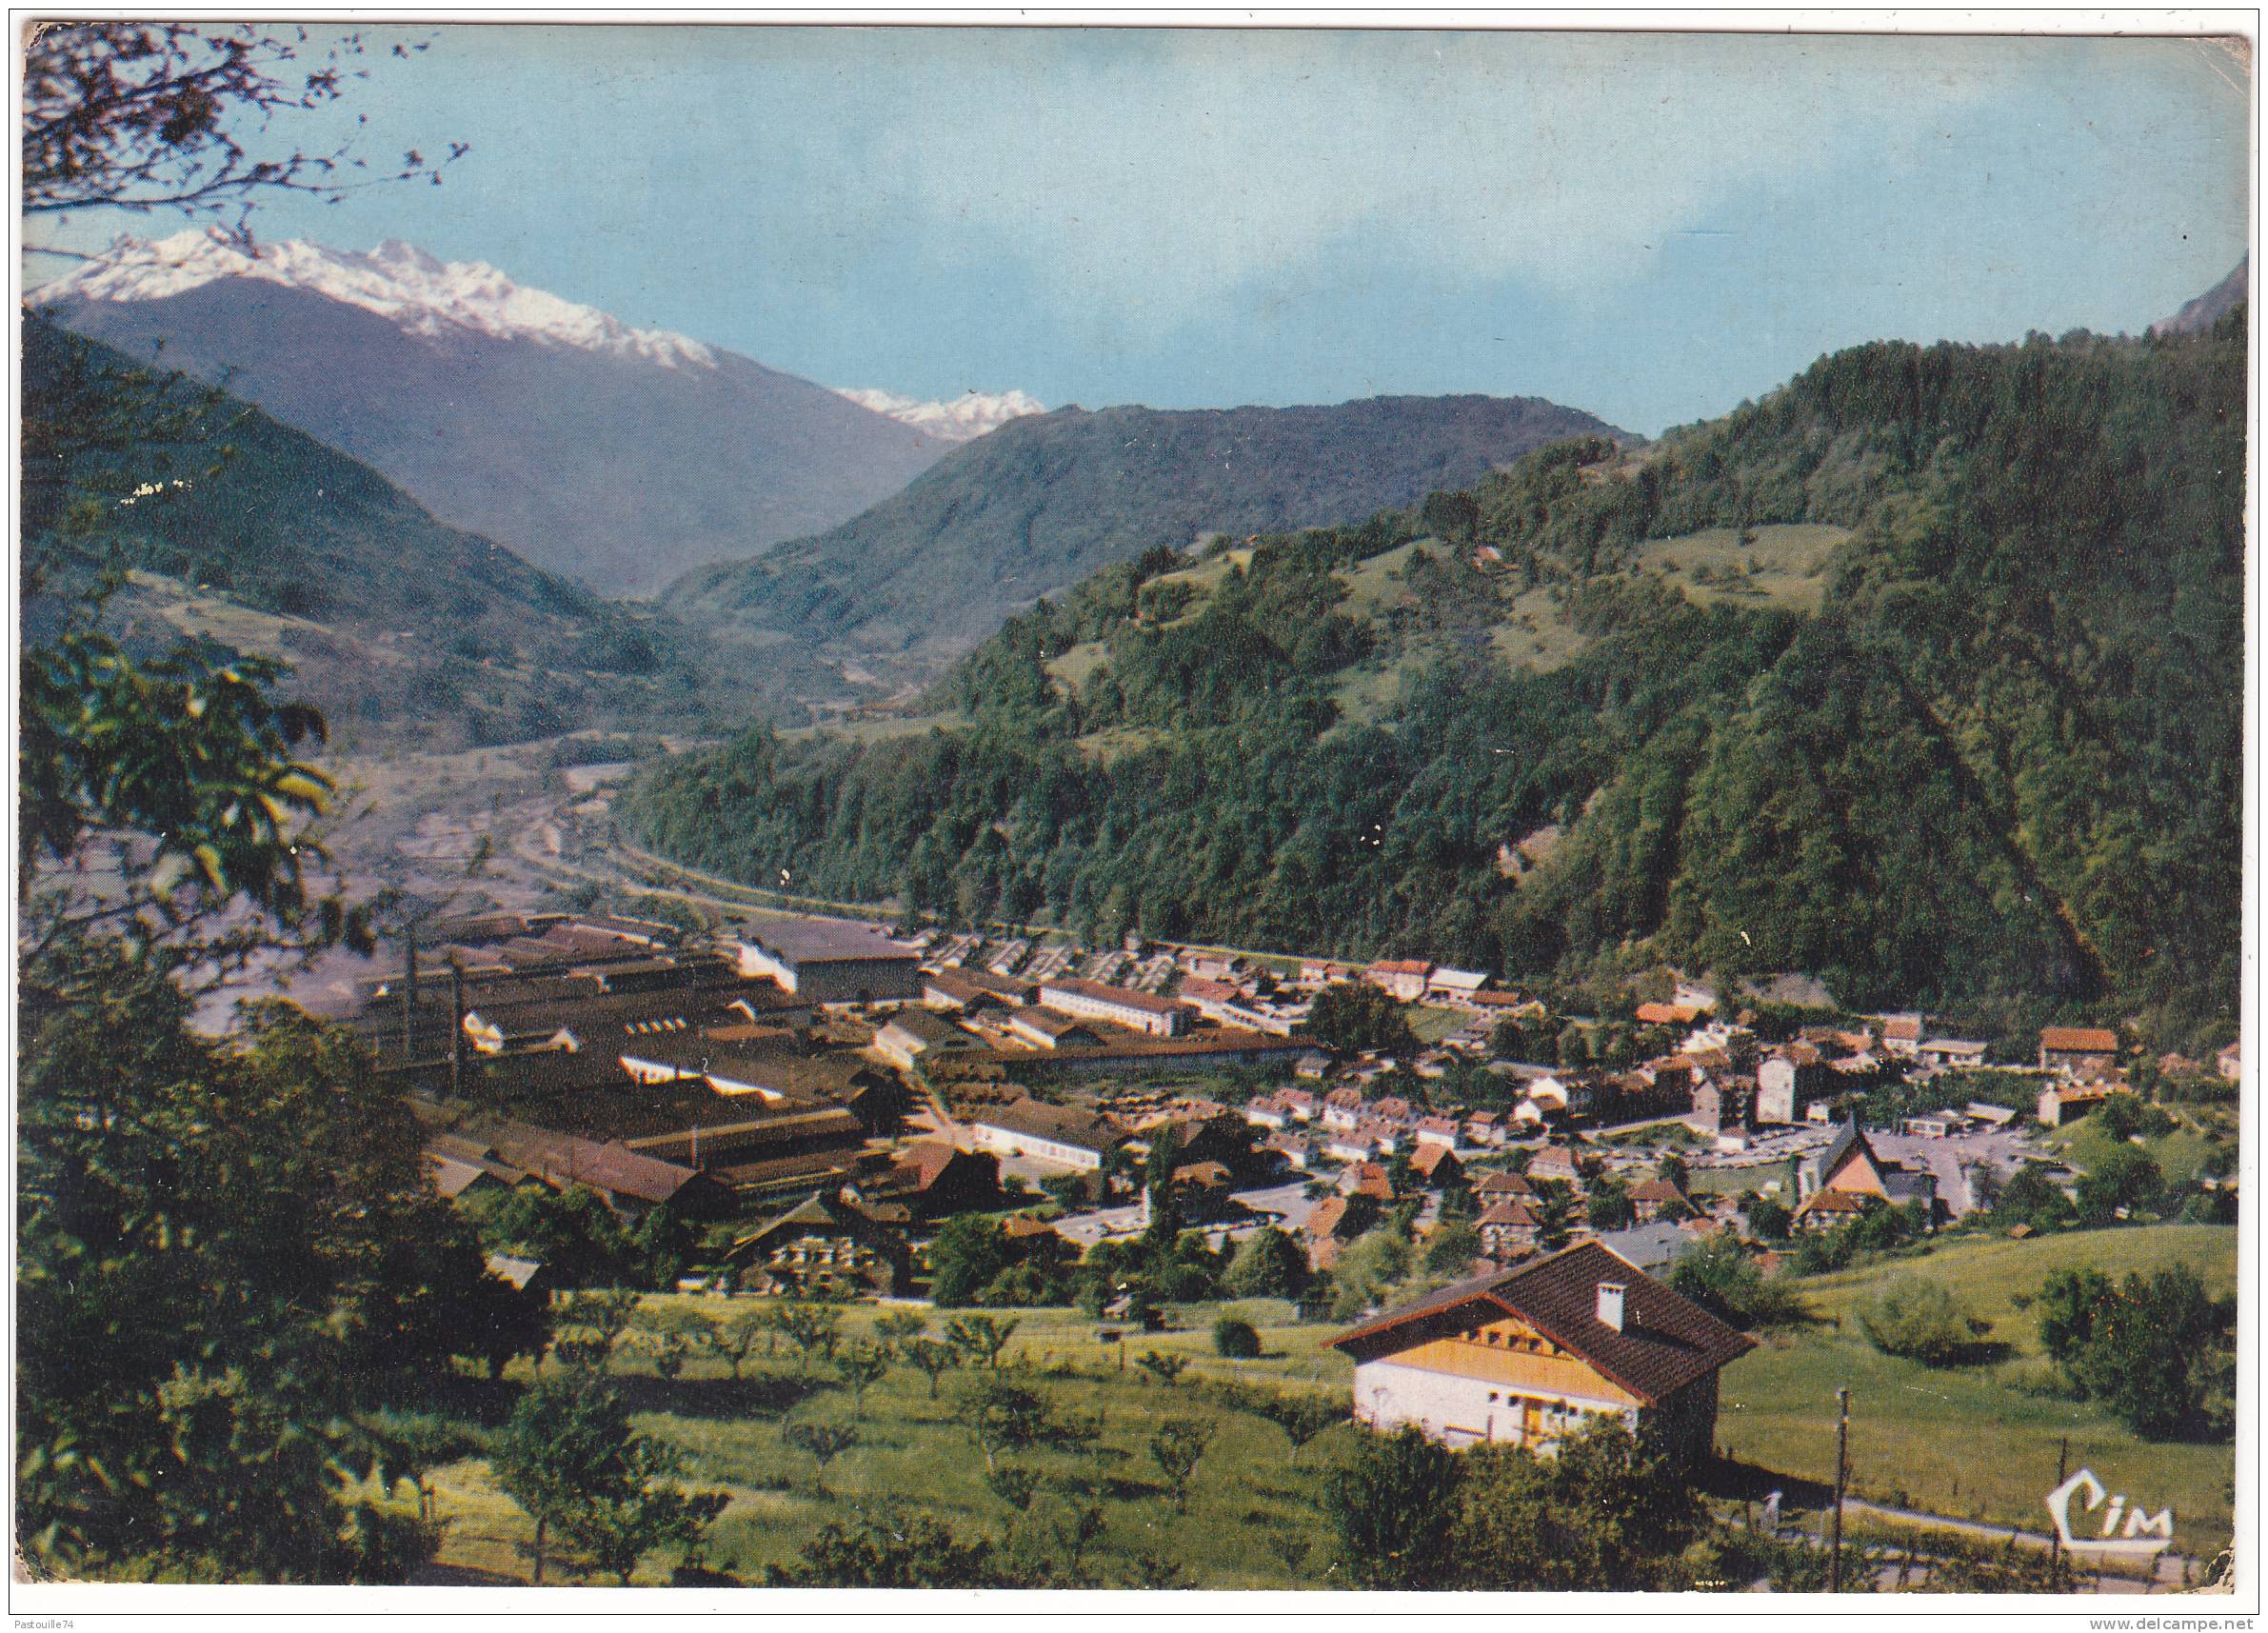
x=966, y=418
x=416, y=291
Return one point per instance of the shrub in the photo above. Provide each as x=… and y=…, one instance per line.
x=1235, y=1339
x=1919, y=1319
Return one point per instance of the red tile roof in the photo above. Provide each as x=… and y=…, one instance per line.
x=1668, y=1014
x=2080, y=1040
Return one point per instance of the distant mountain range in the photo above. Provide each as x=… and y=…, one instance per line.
x=1046, y=499
x=398, y=626
x=618, y=455
x=963, y=419
x=2210, y=307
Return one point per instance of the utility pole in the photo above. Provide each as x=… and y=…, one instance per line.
x=456, y=1029
x=2055, y=1542
x=410, y=1002
x=1843, y=1469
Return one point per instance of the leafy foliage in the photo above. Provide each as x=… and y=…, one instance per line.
x=2157, y=1351
x=1918, y=1317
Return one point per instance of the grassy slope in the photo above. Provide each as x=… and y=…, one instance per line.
x=1244, y=1492
x=1961, y=1443
x=1962, y=1440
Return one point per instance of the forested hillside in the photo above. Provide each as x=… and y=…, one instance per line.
x=255, y=537
x=1923, y=675
x=1031, y=509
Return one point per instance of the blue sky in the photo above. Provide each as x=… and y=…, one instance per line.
x=1650, y=226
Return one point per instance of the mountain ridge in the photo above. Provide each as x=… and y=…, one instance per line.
x=249, y=534
x=619, y=456
x=1029, y=510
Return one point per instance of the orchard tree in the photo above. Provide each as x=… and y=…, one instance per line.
x=570, y=1458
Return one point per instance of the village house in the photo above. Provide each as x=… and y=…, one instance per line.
x=1901, y=1034
x=1403, y=979
x=1323, y=972
x=1200, y=1193
x=2074, y=1050
x=1299, y=1104
x=1120, y=1005
x=1312, y=1065
x=1722, y=1103
x=1436, y=1165
x=1295, y=1148
x=1447, y=985
x=1788, y=1080
x=823, y=1246
x=1485, y=1128
x=1054, y=1133
x=1651, y=1198
x=1508, y=1228
x=1437, y=1131
x=1847, y=1169
x=931, y=1179
x=1502, y=1188
x=1268, y=1111
x=1343, y=1108
x=2061, y=1103
x=1216, y=966
x=1951, y=1054
x=1367, y=1179
x=1530, y=1355
x=1557, y=1163
x=1349, y=1147
x=1669, y=1014
x=1330, y=1225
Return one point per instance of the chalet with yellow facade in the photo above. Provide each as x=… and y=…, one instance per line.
x=1527, y=1356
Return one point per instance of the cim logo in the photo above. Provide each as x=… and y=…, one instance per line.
x=2143, y=1533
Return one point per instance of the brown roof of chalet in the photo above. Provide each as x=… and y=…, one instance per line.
x=923, y=1162
x=1666, y=1340
x=1504, y=1185
x=1430, y=1155
x=1831, y=1201
x=1400, y=967
x=1905, y=1028
x=1514, y=1214
x=1326, y=1217
x=1656, y=1191
x=2080, y=1040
